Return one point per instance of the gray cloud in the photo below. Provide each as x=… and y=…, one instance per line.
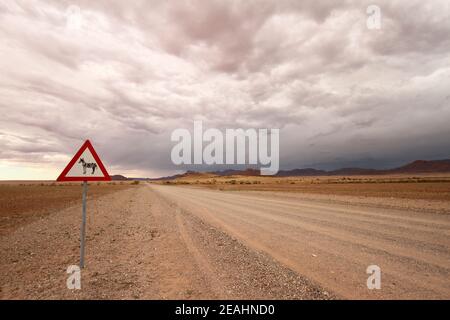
x=134, y=71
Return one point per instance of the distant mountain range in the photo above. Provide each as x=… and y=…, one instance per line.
x=419, y=166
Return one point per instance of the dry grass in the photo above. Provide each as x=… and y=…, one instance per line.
x=427, y=187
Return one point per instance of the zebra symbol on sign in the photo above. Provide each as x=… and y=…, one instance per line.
x=86, y=165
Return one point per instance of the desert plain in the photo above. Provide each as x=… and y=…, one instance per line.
x=237, y=237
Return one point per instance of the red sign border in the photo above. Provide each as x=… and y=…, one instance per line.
x=87, y=145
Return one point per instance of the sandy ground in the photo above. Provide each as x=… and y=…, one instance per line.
x=141, y=245
x=23, y=202
x=332, y=242
x=174, y=242
x=418, y=187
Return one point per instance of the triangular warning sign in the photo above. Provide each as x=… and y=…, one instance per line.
x=85, y=166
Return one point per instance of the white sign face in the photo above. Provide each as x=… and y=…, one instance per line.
x=85, y=166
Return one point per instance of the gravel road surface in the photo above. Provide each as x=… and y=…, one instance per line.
x=173, y=242
x=333, y=244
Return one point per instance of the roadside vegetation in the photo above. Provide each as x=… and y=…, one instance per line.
x=436, y=187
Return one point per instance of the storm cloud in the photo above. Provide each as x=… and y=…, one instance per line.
x=126, y=73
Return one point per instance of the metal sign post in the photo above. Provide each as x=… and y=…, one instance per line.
x=85, y=166
x=83, y=225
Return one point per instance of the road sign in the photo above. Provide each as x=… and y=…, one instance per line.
x=85, y=166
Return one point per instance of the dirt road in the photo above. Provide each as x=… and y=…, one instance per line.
x=140, y=245
x=333, y=244
x=167, y=242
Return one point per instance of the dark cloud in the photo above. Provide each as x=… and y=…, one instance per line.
x=132, y=71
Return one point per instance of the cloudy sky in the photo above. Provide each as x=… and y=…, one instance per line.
x=126, y=73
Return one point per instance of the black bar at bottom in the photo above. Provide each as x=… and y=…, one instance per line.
x=236, y=309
